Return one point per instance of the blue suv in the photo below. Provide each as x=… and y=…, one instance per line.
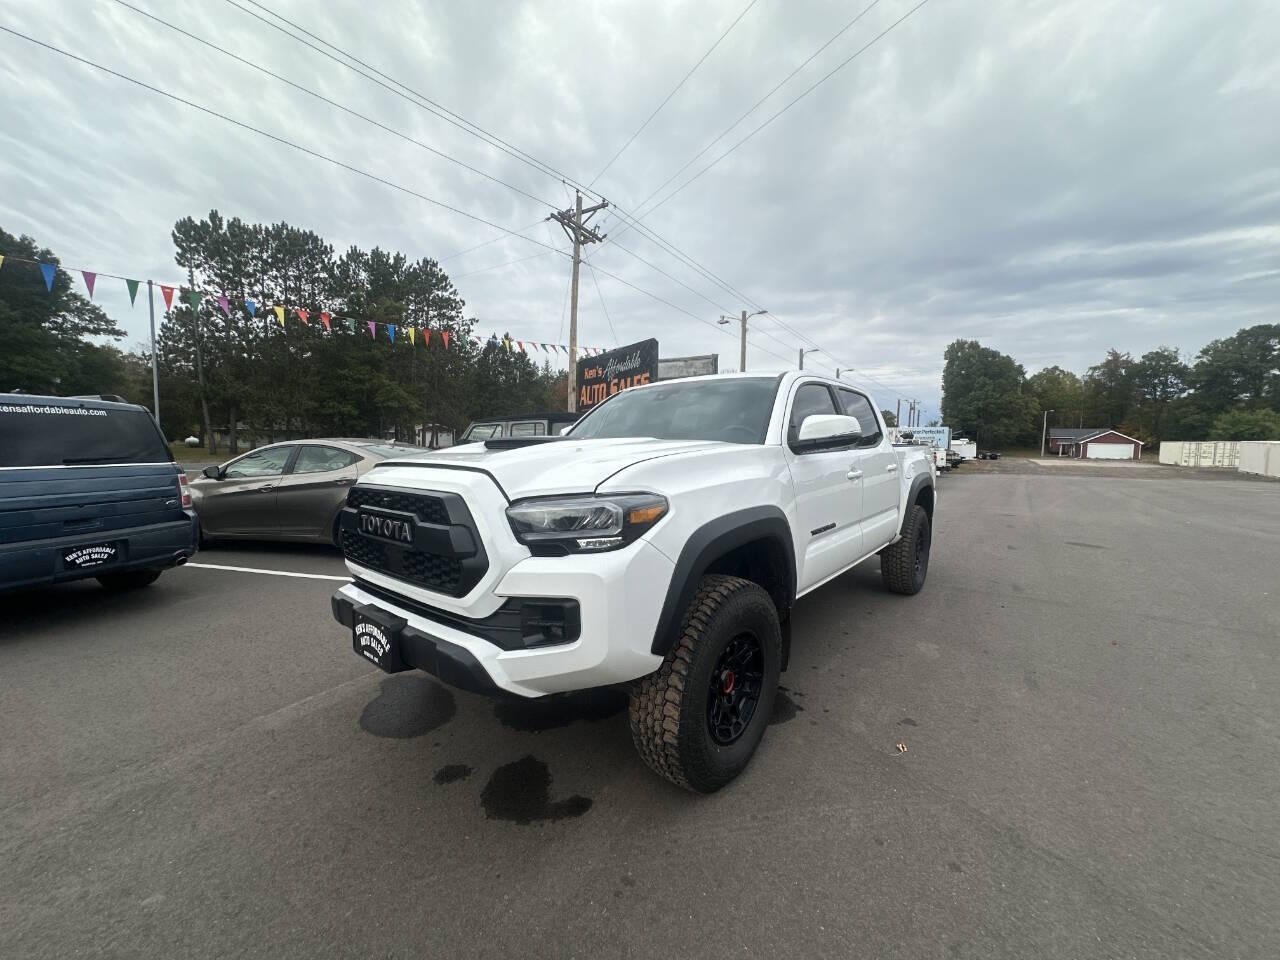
x=88, y=488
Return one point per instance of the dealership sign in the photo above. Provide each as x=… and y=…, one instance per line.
x=603, y=375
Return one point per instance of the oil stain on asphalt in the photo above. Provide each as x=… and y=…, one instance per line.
x=452, y=773
x=408, y=706
x=520, y=792
x=548, y=713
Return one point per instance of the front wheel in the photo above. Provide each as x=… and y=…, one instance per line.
x=698, y=719
x=129, y=580
x=905, y=564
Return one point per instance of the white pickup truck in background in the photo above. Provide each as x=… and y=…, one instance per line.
x=660, y=543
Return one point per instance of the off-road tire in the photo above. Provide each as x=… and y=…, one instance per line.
x=129, y=580
x=669, y=708
x=905, y=564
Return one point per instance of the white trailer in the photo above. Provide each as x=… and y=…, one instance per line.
x=965, y=449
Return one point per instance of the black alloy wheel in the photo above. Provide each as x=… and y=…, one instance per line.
x=736, y=683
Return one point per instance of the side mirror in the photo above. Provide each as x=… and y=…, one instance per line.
x=824, y=431
x=213, y=473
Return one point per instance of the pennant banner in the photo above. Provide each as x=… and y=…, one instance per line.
x=133, y=290
x=409, y=331
x=1, y=260
x=279, y=314
x=89, y=280
x=444, y=335
x=225, y=304
x=194, y=297
x=373, y=330
x=302, y=314
x=168, y=296
x=324, y=318
x=391, y=332
x=48, y=269
x=251, y=307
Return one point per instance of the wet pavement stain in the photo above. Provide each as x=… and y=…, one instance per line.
x=548, y=713
x=452, y=773
x=520, y=792
x=408, y=706
x=908, y=722
x=1091, y=546
x=784, y=708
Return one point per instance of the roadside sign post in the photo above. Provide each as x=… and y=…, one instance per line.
x=155, y=370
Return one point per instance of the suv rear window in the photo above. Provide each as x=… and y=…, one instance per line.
x=42, y=435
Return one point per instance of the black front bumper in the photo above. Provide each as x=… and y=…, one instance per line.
x=446, y=661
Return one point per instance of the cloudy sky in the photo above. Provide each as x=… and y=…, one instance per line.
x=1053, y=178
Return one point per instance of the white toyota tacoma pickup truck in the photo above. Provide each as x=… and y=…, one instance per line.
x=660, y=543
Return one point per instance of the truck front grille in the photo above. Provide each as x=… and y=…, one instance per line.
x=445, y=555
x=425, y=507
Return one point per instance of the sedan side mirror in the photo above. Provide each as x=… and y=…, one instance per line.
x=213, y=472
x=825, y=431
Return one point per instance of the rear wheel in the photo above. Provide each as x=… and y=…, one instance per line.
x=129, y=580
x=698, y=719
x=905, y=564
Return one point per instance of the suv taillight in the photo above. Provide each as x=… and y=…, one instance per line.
x=182, y=488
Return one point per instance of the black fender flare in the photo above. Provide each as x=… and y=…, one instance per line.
x=918, y=484
x=708, y=543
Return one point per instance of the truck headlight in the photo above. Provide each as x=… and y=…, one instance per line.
x=585, y=524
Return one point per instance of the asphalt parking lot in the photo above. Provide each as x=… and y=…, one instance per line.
x=1088, y=690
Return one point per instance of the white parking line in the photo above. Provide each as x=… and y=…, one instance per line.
x=273, y=573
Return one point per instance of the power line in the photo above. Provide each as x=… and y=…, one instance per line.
x=776, y=87
x=271, y=136
x=499, y=266
x=333, y=103
x=596, y=280
x=808, y=90
x=674, y=90
x=501, y=236
x=407, y=93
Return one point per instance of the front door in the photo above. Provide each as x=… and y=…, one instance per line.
x=879, y=466
x=243, y=502
x=313, y=491
x=828, y=487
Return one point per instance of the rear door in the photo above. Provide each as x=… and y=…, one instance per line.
x=243, y=502
x=313, y=491
x=828, y=498
x=879, y=465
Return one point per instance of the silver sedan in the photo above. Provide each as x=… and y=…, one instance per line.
x=286, y=491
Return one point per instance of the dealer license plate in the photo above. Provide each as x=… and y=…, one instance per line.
x=90, y=555
x=375, y=635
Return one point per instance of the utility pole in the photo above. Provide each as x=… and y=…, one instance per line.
x=803, y=351
x=575, y=227
x=897, y=415
x=1044, y=430
x=742, y=342
x=155, y=373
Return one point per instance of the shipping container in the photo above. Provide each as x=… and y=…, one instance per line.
x=1260, y=456
x=1201, y=453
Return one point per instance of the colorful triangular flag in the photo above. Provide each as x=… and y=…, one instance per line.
x=391, y=332
x=194, y=297
x=225, y=304
x=167, y=293
x=409, y=331
x=89, y=280
x=373, y=329
x=444, y=335
x=1, y=259
x=324, y=318
x=303, y=314
x=279, y=314
x=133, y=290
x=251, y=307
x=48, y=269
x=426, y=338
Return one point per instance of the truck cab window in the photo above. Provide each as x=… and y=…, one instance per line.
x=811, y=399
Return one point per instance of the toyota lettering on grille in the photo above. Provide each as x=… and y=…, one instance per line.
x=386, y=528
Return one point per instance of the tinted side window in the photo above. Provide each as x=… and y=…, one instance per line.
x=483, y=431
x=318, y=459
x=811, y=399
x=528, y=428
x=856, y=405
x=267, y=462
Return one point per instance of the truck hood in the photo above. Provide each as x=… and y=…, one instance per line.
x=553, y=466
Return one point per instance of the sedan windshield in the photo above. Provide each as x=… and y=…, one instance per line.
x=735, y=410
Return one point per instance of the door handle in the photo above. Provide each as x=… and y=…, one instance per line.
x=854, y=475
x=891, y=468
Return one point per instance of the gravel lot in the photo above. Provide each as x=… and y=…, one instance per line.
x=1088, y=689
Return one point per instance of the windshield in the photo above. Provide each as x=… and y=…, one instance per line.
x=40, y=435
x=733, y=410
